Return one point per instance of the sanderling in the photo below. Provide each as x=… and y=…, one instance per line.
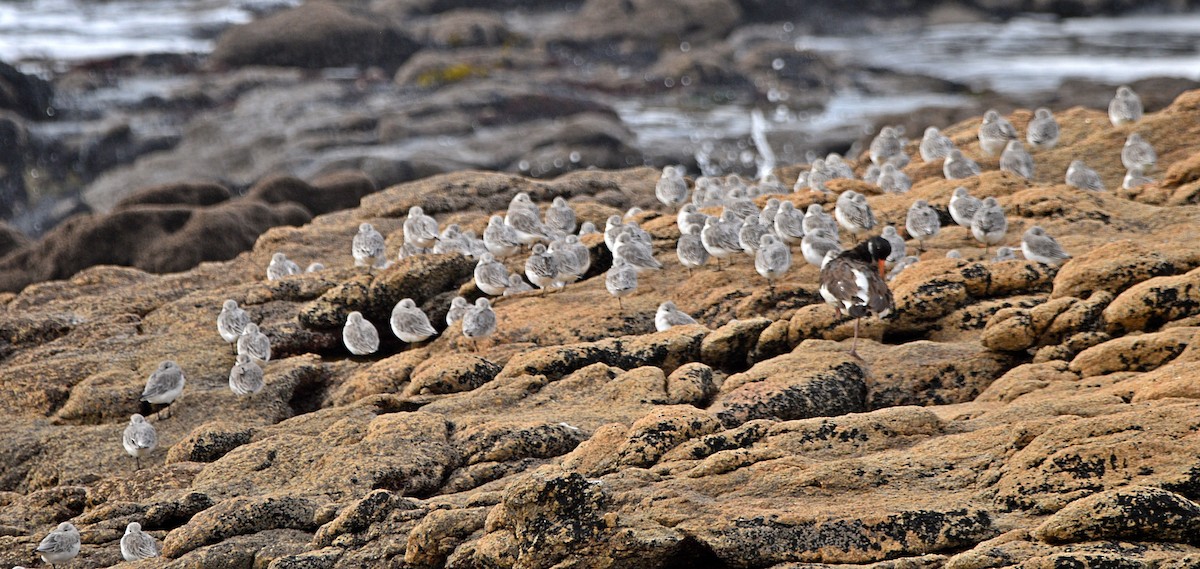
x=457, y=306
x=789, y=223
x=516, y=285
x=280, y=267
x=1042, y=132
x=885, y=145
x=935, y=145
x=137, y=544
x=1125, y=107
x=690, y=221
x=1004, y=254
x=638, y=254
x=612, y=229
x=818, y=175
x=669, y=316
x=1082, y=177
x=1039, y=247
x=368, y=247
x=231, y=321
x=691, y=252
x=720, y=239
x=409, y=323
x=837, y=167
x=854, y=282
x=576, y=258
x=632, y=214
x=954, y=254
x=479, y=321
x=409, y=250
x=254, y=343
x=314, y=267
x=490, y=275
x=922, y=223
x=871, y=174
x=899, y=247
x=419, y=229
x=854, y=213
x=817, y=243
x=246, y=376
x=501, y=239
x=587, y=228
x=769, y=210
x=60, y=545
x=750, y=235
x=901, y=265
x=621, y=280
x=892, y=180
x=165, y=384
x=359, y=335
x=963, y=207
x=450, y=241
x=139, y=439
x=995, y=132
x=541, y=268
x=772, y=259
x=989, y=224
x=1138, y=152
x=816, y=218
x=1016, y=160
x=1135, y=177
x=741, y=206
x=957, y=166
x=560, y=216
x=671, y=188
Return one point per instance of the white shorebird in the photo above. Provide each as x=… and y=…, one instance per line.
x=254, y=343
x=523, y=217
x=935, y=145
x=587, y=228
x=621, y=280
x=885, y=145
x=638, y=254
x=501, y=239
x=770, y=209
x=1039, y=247
x=458, y=306
x=671, y=189
x=922, y=223
x=479, y=321
x=1138, y=152
x=1042, y=132
x=280, y=266
x=314, y=267
x=612, y=229
x=772, y=259
x=668, y=316
x=1125, y=107
x=893, y=180
x=989, y=224
x=491, y=276
x=690, y=221
x=574, y=258
x=60, y=545
x=1004, y=254
x=419, y=229
x=1015, y=160
x=139, y=438
x=816, y=218
x=165, y=383
x=995, y=132
x=1082, y=177
x=720, y=238
x=231, y=321
x=359, y=335
x=818, y=243
x=837, y=167
x=789, y=223
x=246, y=376
x=963, y=207
x=957, y=166
x=691, y=252
x=560, y=216
x=541, y=268
x=409, y=322
x=1135, y=177
x=137, y=544
x=752, y=231
x=954, y=254
x=367, y=247
x=899, y=247
x=818, y=175
x=854, y=213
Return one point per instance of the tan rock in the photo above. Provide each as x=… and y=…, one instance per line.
x=240, y=516
x=814, y=380
x=1139, y=352
x=451, y=374
x=1154, y=302
x=1138, y=512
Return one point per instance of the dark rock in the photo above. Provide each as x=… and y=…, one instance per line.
x=240, y=516
x=11, y=239
x=198, y=194
x=313, y=35
x=29, y=96
x=333, y=192
x=209, y=442
x=1134, y=513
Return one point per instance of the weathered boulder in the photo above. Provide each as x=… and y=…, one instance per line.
x=1137, y=513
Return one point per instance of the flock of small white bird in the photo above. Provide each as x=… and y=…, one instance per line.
x=557, y=258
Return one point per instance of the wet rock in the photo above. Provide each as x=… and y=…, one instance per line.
x=209, y=442
x=640, y=20
x=28, y=95
x=197, y=194
x=931, y=373
x=466, y=28
x=1139, y=352
x=1137, y=513
x=451, y=374
x=240, y=516
x=313, y=36
x=812, y=381
x=728, y=347
x=332, y=192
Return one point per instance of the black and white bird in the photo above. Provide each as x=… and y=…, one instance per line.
x=1042, y=132
x=367, y=247
x=165, y=383
x=995, y=132
x=139, y=438
x=854, y=282
x=1040, y=247
x=1125, y=107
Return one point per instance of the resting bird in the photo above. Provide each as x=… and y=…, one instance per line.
x=854, y=281
x=1039, y=247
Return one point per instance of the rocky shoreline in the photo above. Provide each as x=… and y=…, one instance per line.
x=1010, y=413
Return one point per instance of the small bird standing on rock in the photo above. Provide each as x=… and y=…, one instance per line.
x=139, y=439
x=957, y=166
x=892, y=180
x=854, y=281
x=621, y=280
x=1138, y=152
x=541, y=268
x=671, y=189
x=500, y=238
x=458, y=307
x=922, y=223
x=479, y=322
x=854, y=213
x=935, y=145
x=165, y=384
x=963, y=207
x=60, y=545
x=789, y=223
x=817, y=243
x=419, y=229
x=1125, y=107
x=246, y=376
x=1039, y=247
x=669, y=316
x=1135, y=177
x=1084, y=178
x=359, y=335
x=691, y=252
x=1042, y=132
x=884, y=147
x=231, y=321
x=254, y=343
x=280, y=267
x=560, y=216
x=368, y=247
x=772, y=259
x=995, y=132
x=899, y=247
x=136, y=544
x=409, y=323
x=1015, y=160
x=989, y=224
x=490, y=275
